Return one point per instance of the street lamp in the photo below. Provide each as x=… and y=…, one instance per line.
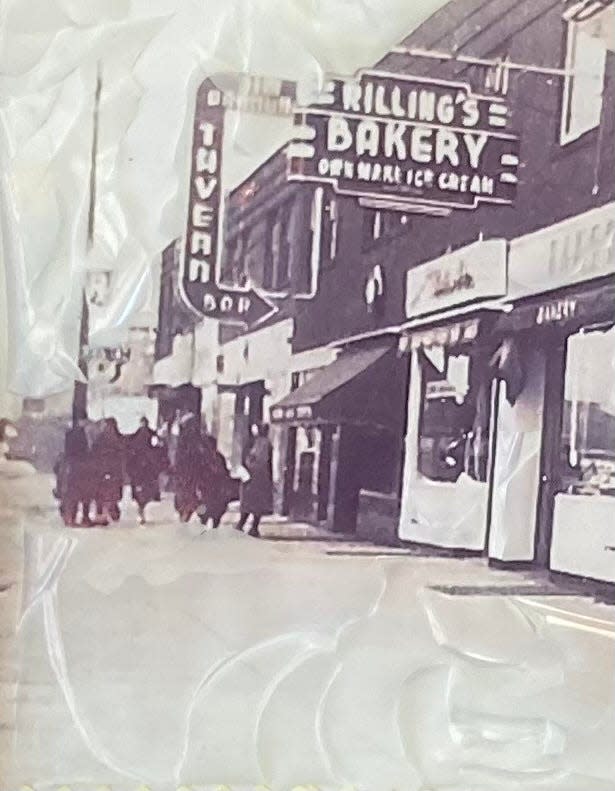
x=80, y=393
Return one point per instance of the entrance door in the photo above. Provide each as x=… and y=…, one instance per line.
x=305, y=443
x=324, y=472
x=289, y=470
x=248, y=411
x=351, y=453
x=304, y=494
x=551, y=443
x=367, y=459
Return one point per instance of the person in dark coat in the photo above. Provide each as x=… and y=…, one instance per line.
x=74, y=481
x=145, y=457
x=256, y=495
x=216, y=485
x=108, y=458
x=187, y=470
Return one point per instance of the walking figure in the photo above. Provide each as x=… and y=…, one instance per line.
x=74, y=488
x=108, y=458
x=146, y=461
x=216, y=488
x=187, y=471
x=256, y=495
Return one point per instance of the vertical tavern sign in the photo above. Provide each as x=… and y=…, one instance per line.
x=199, y=280
x=205, y=202
x=407, y=140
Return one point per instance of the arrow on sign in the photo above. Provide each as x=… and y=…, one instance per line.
x=199, y=279
x=231, y=305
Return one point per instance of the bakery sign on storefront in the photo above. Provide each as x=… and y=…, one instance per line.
x=556, y=311
x=576, y=250
x=405, y=139
x=474, y=273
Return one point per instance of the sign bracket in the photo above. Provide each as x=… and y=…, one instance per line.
x=472, y=60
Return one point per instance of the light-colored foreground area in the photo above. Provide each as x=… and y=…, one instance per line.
x=164, y=657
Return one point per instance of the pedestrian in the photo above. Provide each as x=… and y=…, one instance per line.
x=167, y=443
x=187, y=470
x=256, y=494
x=216, y=485
x=108, y=459
x=74, y=481
x=145, y=463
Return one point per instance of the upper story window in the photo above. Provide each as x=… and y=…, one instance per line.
x=587, y=42
x=379, y=223
x=330, y=219
x=251, y=260
x=372, y=226
x=282, y=248
x=295, y=380
x=276, y=275
x=237, y=260
x=269, y=250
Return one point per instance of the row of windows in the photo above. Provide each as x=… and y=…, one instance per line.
x=277, y=256
x=276, y=271
x=271, y=258
x=587, y=42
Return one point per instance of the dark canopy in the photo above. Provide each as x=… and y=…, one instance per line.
x=365, y=385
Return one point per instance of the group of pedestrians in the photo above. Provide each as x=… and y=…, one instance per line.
x=98, y=461
x=203, y=484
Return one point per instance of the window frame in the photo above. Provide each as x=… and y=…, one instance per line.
x=329, y=229
x=472, y=458
x=282, y=270
x=269, y=256
x=581, y=452
x=569, y=131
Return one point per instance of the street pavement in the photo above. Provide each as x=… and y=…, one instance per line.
x=165, y=656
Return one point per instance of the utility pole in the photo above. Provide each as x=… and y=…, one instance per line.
x=80, y=393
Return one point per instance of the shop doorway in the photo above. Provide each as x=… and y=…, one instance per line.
x=308, y=472
x=324, y=473
x=248, y=411
x=366, y=460
x=289, y=470
x=304, y=494
x=549, y=481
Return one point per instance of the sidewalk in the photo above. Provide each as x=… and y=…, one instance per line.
x=280, y=528
x=146, y=589
x=31, y=498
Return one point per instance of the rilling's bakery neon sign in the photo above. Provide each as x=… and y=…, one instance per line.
x=390, y=137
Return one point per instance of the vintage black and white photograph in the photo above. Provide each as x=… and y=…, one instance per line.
x=307, y=395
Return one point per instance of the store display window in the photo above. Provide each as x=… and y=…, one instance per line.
x=454, y=421
x=587, y=448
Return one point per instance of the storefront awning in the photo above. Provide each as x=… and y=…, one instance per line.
x=452, y=328
x=365, y=385
x=564, y=310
